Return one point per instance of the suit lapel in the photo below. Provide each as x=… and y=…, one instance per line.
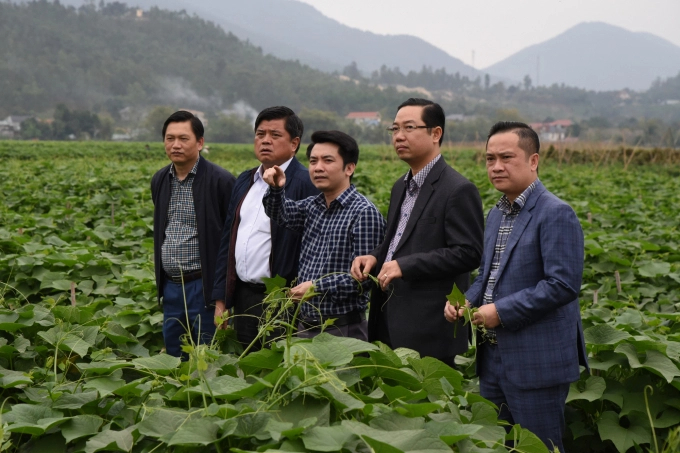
x=424, y=196
x=492, y=226
x=396, y=200
x=523, y=219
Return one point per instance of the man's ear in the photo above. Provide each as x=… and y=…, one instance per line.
x=437, y=133
x=533, y=160
x=349, y=168
x=295, y=143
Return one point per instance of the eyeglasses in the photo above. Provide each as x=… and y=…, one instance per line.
x=407, y=129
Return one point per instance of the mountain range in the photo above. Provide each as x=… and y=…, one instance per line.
x=595, y=56
x=591, y=55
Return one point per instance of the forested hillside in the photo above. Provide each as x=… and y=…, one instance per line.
x=108, y=58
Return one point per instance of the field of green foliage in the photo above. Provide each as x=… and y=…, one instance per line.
x=81, y=367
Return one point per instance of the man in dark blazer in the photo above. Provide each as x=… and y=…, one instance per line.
x=433, y=240
x=252, y=246
x=527, y=291
x=190, y=198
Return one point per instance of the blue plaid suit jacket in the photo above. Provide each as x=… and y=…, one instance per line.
x=536, y=294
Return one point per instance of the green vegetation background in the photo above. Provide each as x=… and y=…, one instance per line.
x=83, y=370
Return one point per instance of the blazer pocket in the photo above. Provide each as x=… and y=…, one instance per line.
x=427, y=220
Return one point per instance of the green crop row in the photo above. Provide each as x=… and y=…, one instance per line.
x=81, y=367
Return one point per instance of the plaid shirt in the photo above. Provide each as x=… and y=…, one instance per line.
x=180, y=247
x=331, y=238
x=510, y=212
x=413, y=185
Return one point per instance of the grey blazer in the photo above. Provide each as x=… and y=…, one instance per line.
x=442, y=243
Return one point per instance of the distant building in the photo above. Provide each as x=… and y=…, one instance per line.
x=10, y=127
x=365, y=118
x=460, y=117
x=200, y=115
x=554, y=131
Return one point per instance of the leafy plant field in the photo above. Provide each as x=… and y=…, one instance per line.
x=81, y=367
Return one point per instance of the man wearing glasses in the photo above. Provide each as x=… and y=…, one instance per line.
x=434, y=239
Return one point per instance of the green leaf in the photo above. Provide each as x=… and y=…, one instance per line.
x=594, y=388
x=602, y=334
x=10, y=378
x=32, y=419
x=274, y=283
x=304, y=409
x=139, y=274
x=417, y=410
x=654, y=269
x=222, y=387
x=342, y=400
x=162, y=364
x=75, y=400
x=264, y=359
x=526, y=441
x=104, y=385
x=101, y=367
x=456, y=297
x=251, y=425
x=401, y=393
x=330, y=438
x=118, y=334
x=451, y=432
x=656, y=362
x=405, y=440
x=109, y=440
x=201, y=431
x=483, y=414
x=325, y=352
x=162, y=422
x=81, y=426
x=393, y=421
x=380, y=447
x=623, y=438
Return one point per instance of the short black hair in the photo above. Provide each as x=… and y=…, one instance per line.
x=182, y=116
x=293, y=124
x=347, y=146
x=432, y=116
x=528, y=138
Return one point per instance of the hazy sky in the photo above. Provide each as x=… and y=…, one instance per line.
x=495, y=29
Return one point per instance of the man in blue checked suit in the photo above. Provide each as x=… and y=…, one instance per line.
x=527, y=290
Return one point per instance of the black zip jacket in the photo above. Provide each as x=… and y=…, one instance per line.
x=212, y=189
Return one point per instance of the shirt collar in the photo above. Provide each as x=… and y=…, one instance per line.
x=191, y=172
x=507, y=208
x=343, y=199
x=419, y=177
x=260, y=169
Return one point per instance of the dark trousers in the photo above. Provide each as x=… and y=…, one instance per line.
x=358, y=330
x=248, y=310
x=201, y=322
x=541, y=411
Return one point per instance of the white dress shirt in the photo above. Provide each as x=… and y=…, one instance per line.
x=254, y=237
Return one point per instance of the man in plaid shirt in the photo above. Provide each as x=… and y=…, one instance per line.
x=190, y=199
x=337, y=226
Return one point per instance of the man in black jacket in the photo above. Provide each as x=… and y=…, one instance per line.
x=253, y=246
x=435, y=230
x=190, y=197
